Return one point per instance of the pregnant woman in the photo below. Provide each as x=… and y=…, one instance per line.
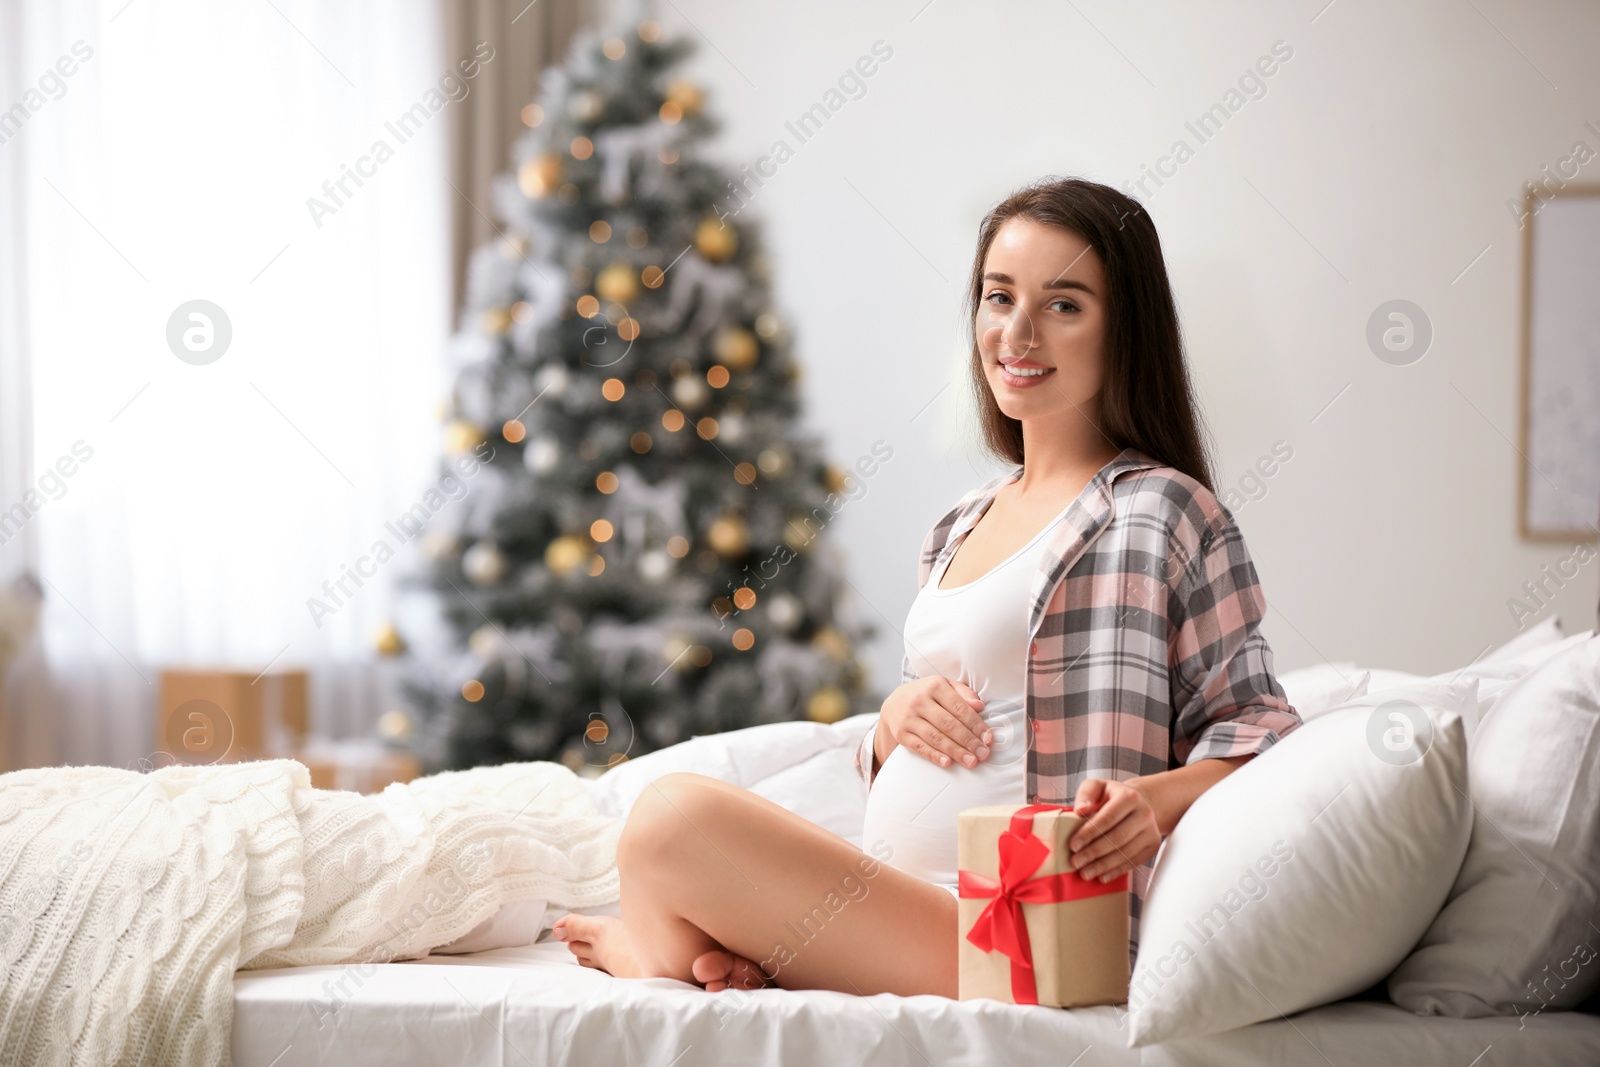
x=1086, y=632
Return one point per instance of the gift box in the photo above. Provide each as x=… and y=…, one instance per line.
x=358, y=765
x=1032, y=930
x=210, y=716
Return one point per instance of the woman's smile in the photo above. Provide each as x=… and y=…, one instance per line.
x=1027, y=374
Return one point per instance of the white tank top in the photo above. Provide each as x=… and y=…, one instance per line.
x=978, y=634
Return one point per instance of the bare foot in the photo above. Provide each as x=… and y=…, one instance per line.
x=599, y=941
x=719, y=970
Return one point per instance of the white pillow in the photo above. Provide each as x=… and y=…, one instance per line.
x=1539, y=635
x=742, y=757
x=824, y=789
x=1518, y=934
x=1385, y=685
x=1462, y=696
x=1496, y=672
x=1306, y=875
x=1527, y=659
x=1378, y=678
x=1313, y=690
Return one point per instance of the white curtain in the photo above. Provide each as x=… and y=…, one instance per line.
x=206, y=504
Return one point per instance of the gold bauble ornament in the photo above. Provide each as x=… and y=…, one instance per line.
x=827, y=705
x=729, y=536
x=831, y=641
x=735, y=347
x=539, y=175
x=674, y=652
x=716, y=240
x=394, y=727
x=495, y=320
x=617, y=284
x=514, y=246
x=798, y=533
x=566, y=554
x=387, y=640
x=461, y=436
x=686, y=95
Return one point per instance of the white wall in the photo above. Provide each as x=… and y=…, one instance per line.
x=1377, y=165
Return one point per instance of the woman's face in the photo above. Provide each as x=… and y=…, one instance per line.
x=1042, y=305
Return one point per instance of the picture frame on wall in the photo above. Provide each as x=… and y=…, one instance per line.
x=1559, y=475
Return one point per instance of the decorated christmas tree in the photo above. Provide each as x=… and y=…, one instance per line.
x=640, y=552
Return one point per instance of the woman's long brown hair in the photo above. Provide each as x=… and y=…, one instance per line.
x=1147, y=399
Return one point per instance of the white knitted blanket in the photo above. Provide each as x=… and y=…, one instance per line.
x=128, y=900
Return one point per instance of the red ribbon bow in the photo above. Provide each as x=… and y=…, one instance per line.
x=1001, y=924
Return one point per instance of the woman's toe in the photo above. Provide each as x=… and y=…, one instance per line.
x=712, y=969
x=717, y=970
x=747, y=975
x=569, y=930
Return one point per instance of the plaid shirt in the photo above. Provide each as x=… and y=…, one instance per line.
x=1146, y=652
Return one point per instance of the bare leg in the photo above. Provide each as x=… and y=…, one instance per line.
x=708, y=868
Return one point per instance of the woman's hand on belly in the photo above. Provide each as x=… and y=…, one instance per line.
x=938, y=718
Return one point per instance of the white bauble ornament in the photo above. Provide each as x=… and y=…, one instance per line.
x=690, y=391
x=769, y=326
x=585, y=105
x=654, y=565
x=484, y=642
x=542, y=455
x=484, y=563
x=785, y=610
x=437, y=544
x=552, y=381
x=774, y=461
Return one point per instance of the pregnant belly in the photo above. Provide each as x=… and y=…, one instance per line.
x=913, y=803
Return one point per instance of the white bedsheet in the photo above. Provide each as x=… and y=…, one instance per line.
x=536, y=1005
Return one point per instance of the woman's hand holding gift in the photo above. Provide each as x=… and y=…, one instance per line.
x=1125, y=821
x=1119, y=833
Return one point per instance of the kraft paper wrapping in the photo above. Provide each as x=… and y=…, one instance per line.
x=1080, y=947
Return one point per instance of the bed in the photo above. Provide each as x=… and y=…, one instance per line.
x=534, y=1003
x=537, y=1005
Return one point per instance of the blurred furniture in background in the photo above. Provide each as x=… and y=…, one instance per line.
x=206, y=716
x=19, y=616
x=360, y=765
x=1560, y=410
x=527, y=38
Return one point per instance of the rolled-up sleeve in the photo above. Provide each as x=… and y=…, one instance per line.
x=1226, y=701
x=864, y=756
